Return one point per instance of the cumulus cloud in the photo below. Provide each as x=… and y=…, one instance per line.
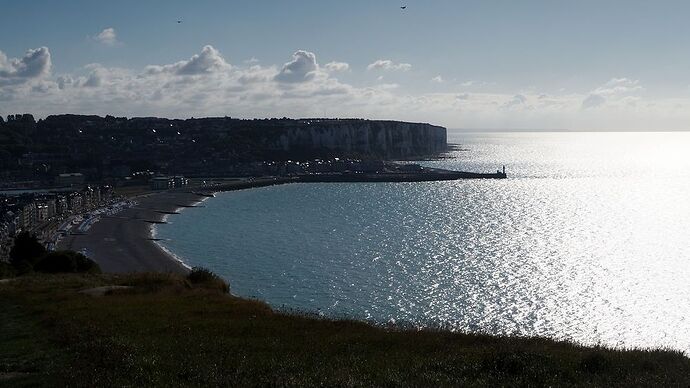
x=64, y=81
x=387, y=64
x=593, y=101
x=335, y=67
x=107, y=37
x=207, y=85
x=614, y=89
x=619, y=86
x=207, y=62
x=517, y=100
x=256, y=74
x=302, y=68
x=36, y=63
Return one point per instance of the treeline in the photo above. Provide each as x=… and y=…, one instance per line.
x=28, y=255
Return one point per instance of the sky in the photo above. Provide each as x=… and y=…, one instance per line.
x=481, y=64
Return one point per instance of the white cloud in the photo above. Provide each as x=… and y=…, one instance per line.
x=387, y=64
x=593, y=101
x=207, y=62
x=302, y=68
x=36, y=63
x=617, y=86
x=518, y=100
x=107, y=37
x=206, y=84
x=614, y=89
x=335, y=67
x=476, y=84
x=95, y=79
x=438, y=79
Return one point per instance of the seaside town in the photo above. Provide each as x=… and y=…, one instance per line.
x=50, y=213
x=70, y=204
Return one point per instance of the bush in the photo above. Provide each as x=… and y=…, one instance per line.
x=206, y=279
x=26, y=248
x=66, y=262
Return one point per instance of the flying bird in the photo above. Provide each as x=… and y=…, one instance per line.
x=179, y=21
x=403, y=7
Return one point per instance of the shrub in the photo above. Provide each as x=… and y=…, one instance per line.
x=66, y=262
x=26, y=248
x=204, y=278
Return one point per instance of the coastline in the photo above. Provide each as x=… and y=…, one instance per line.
x=125, y=242
x=153, y=233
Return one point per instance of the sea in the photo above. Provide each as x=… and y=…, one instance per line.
x=588, y=240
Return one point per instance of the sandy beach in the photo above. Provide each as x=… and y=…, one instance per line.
x=122, y=243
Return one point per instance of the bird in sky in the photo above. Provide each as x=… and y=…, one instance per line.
x=179, y=21
x=403, y=7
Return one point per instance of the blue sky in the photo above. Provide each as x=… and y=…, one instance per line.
x=474, y=64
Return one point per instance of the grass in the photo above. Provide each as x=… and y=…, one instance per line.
x=177, y=333
x=6, y=270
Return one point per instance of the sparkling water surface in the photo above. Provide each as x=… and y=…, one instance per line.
x=588, y=240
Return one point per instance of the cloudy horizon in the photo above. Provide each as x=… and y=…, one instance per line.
x=106, y=77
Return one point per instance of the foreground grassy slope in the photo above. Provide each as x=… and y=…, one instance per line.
x=165, y=332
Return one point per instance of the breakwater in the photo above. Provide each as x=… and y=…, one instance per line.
x=427, y=175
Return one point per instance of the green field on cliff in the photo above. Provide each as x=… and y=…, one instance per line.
x=168, y=331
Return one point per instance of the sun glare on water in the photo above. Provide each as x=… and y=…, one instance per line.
x=586, y=241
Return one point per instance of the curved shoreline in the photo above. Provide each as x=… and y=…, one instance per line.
x=124, y=243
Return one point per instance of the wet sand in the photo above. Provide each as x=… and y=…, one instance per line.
x=122, y=243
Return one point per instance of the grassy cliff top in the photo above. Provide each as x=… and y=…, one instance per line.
x=166, y=331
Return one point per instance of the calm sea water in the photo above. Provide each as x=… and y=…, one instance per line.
x=589, y=241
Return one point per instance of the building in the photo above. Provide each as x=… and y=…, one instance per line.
x=180, y=181
x=27, y=216
x=74, y=202
x=61, y=206
x=162, y=183
x=168, y=182
x=41, y=212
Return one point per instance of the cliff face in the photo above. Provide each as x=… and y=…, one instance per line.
x=386, y=139
x=250, y=139
x=103, y=146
